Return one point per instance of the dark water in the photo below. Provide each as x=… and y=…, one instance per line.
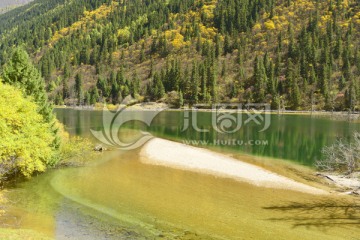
x=298, y=138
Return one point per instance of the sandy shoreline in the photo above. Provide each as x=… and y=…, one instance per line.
x=171, y=154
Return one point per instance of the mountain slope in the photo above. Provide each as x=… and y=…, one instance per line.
x=294, y=54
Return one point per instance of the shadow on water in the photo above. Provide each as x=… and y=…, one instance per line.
x=322, y=214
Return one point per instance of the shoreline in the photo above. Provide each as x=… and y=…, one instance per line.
x=188, y=158
x=164, y=107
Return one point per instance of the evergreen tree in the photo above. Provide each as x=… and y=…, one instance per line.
x=87, y=99
x=159, y=90
x=194, y=84
x=79, y=88
x=218, y=50
x=260, y=80
x=227, y=45
x=213, y=84
x=94, y=96
x=65, y=89
x=20, y=73
x=115, y=93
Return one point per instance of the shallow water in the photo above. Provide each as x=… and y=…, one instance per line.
x=119, y=197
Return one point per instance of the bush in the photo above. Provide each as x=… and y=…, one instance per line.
x=74, y=151
x=25, y=137
x=341, y=156
x=173, y=99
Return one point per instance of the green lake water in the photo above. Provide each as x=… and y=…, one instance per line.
x=119, y=197
x=298, y=138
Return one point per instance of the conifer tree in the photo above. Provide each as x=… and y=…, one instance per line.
x=194, y=84
x=65, y=89
x=260, y=80
x=79, y=88
x=21, y=73
x=159, y=90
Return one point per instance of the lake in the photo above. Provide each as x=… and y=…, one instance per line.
x=119, y=197
x=297, y=138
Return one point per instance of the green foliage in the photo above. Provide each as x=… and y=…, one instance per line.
x=75, y=151
x=25, y=136
x=260, y=80
x=237, y=15
x=305, y=49
x=79, y=89
x=21, y=73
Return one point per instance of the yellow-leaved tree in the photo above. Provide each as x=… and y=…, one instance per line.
x=25, y=137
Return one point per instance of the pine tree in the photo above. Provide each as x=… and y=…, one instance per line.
x=338, y=48
x=87, y=99
x=292, y=50
x=135, y=85
x=120, y=78
x=272, y=84
x=194, y=84
x=227, y=45
x=67, y=71
x=260, y=80
x=142, y=53
x=159, y=90
x=295, y=94
x=94, y=96
x=115, y=91
x=293, y=89
x=79, y=88
x=213, y=84
x=218, y=50
x=204, y=82
x=350, y=97
x=21, y=73
x=224, y=69
x=65, y=89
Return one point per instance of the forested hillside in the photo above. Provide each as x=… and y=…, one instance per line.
x=299, y=54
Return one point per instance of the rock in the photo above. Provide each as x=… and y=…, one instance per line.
x=99, y=148
x=324, y=176
x=353, y=193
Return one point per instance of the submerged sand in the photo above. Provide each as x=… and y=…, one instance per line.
x=171, y=154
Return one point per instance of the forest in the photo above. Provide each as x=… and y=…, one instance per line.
x=192, y=51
